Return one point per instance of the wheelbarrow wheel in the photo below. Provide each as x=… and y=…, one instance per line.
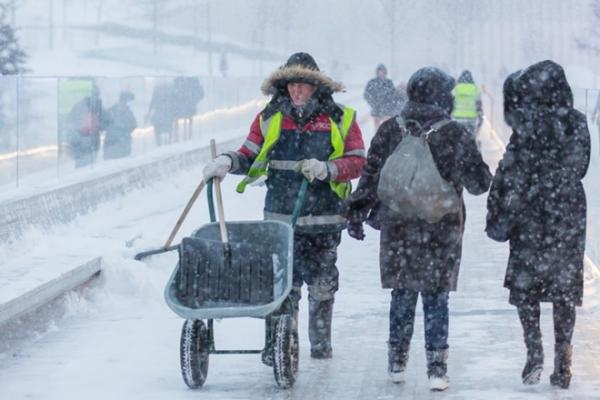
x=194, y=353
x=285, y=351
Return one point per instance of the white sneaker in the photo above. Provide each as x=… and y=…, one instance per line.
x=438, y=384
x=398, y=377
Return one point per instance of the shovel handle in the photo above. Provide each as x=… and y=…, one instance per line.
x=217, y=183
x=299, y=202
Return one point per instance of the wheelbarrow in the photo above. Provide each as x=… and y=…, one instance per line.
x=247, y=274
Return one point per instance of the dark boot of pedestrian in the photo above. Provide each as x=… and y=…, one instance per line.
x=529, y=315
x=320, y=314
x=266, y=356
x=436, y=369
x=397, y=361
x=535, y=362
x=563, y=356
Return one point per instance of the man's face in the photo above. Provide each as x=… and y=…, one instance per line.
x=381, y=73
x=300, y=93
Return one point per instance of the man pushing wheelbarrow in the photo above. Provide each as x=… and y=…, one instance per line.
x=302, y=134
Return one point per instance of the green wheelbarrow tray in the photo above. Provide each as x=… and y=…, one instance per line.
x=254, y=283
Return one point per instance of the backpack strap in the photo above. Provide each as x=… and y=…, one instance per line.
x=401, y=123
x=437, y=126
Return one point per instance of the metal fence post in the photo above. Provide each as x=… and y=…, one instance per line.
x=17, y=111
x=58, y=129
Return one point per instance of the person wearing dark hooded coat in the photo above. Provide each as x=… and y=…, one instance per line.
x=303, y=134
x=382, y=96
x=537, y=203
x=417, y=257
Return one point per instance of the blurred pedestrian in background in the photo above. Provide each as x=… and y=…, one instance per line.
x=382, y=96
x=121, y=123
x=85, y=122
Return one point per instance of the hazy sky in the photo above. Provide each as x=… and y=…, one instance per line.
x=490, y=37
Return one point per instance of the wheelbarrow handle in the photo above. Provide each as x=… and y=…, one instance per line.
x=299, y=202
x=184, y=214
x=217, y=184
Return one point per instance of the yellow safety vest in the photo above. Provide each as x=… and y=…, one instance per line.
x=271, y=130
x=465, y=101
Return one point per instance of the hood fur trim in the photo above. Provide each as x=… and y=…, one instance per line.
x=297, y=72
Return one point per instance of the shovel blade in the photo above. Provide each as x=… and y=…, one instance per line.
x=141, y=255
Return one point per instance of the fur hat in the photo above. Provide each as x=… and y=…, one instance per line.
x=300, y=67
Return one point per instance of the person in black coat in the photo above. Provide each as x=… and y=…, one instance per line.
x=416, y=256
x=382, y=96
x=162, y=112
x=121, y=123
x=187, y=93
x=537, y=203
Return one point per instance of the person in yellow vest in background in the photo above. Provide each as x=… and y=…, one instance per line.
x=303, y=134
x=467, y=104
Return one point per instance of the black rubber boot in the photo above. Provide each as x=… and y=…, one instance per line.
x=397, y=361
x=535, y=361
x=529, y=315
x=436, y=369
x=563, y=355
x=320, y=314
x=266, y=356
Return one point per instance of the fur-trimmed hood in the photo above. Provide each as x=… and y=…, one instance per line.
x=277, y=81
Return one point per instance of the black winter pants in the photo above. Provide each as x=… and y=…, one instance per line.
x=314, y=264
x=564, y=321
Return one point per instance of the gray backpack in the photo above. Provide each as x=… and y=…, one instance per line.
x=410, y=183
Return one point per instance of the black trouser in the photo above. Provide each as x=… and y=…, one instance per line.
x=564, y=322
x=314, y=264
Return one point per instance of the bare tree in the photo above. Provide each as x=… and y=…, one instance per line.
x=99, y=20
x=50, y=24
x=258, y=37
x=13, y=12
x=209, y=38
x=152, y=8
x=390, y=12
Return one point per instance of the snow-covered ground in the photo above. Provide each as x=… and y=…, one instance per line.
x=119, y=340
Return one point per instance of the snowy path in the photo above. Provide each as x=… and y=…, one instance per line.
x=122, y=342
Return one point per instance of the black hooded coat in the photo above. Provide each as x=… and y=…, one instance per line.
x=414, y=254
x=537, y=201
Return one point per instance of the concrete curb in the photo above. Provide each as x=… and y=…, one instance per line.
x=49, y=291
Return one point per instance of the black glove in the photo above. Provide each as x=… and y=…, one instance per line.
x=355, y=230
